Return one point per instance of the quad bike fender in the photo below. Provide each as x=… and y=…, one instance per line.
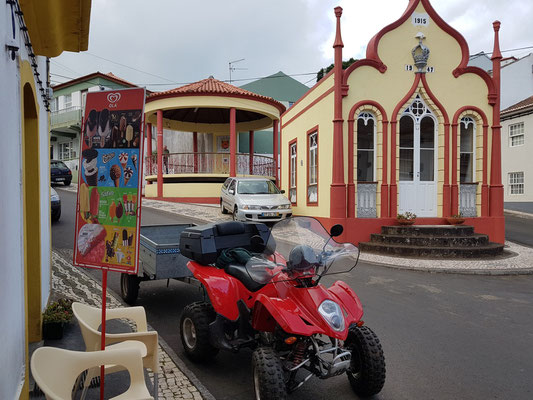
x=349, y=300
x=270, y=310
x=222, y=289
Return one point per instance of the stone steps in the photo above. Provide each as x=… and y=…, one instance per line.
x=432, y=241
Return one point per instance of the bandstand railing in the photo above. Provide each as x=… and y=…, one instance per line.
x=211, y=163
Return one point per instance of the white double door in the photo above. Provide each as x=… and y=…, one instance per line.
x=418, y=161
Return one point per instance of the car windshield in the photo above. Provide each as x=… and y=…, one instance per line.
x=257, y=187
x=301, y=248
x=58, y=164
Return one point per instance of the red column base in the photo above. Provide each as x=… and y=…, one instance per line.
x=384, y=201
x=393, y=200
x=496, y=200
x=351, y=201
x=446, y=201
x=455, y=199
x=338, y=201
x=485, y=200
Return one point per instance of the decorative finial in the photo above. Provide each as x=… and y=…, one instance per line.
x=496, y=53
x=338, y=38
x=420, y=54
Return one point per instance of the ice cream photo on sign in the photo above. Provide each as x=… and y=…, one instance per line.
x=115, y=173
x=90, y=169
x=128, y=173
x=134, y=160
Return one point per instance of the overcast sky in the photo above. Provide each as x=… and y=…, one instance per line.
x=174, y=42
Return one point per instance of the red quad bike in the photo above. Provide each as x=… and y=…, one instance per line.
x=265, y=294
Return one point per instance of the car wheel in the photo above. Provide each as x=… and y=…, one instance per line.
x=56, y=215
x=67, y=183
x=222, y=208
x=194, y=331
x=235, y=211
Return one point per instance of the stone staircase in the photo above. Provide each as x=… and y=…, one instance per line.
x=431, y=241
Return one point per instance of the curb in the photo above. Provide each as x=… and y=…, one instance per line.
x=520, y=214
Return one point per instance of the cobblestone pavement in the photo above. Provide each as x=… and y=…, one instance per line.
x=72, y=282
x=517, y=259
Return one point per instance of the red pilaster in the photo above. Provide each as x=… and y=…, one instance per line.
x=384, y=182
x=485, y=186
x=454, y=186
x=338, y=187
x=195, y=150
x=393, y=190
x=275, y=149
x=351, y=183
x=233, y=142
x=159, y=153
x=251, y=151
x=446, y=190
x=496, y=187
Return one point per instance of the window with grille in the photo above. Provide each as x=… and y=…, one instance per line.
x=467, y=156
x=366, y=124
x=312, y=163
x=516, y=183
x=68, y=101
x=292, y=172
x=66, y=151
x=516, y=134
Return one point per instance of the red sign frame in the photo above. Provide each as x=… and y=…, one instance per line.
x=110, y=173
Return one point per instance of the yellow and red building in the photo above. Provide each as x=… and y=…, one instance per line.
x=411, y=127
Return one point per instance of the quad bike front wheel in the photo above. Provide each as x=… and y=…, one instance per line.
x=269, y=383
x=194, y=331
x=367, y=367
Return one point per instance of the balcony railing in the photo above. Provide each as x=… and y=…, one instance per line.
x=211, y=163
x=65, y=117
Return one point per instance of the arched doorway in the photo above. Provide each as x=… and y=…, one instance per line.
x=32, y=214
x=418, y=160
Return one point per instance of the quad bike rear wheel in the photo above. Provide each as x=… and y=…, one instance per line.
x=269, y=383
x=367, y=367
x=194, y=331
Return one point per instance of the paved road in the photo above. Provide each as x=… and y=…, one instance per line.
x=519, y=229
x=444, y=336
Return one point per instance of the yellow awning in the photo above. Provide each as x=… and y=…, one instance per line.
x=55, y=26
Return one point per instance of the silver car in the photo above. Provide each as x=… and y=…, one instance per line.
x=254, y=199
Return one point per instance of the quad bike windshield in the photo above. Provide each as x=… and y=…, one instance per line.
x=301, y=248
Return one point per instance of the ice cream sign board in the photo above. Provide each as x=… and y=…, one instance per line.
x=109, y=186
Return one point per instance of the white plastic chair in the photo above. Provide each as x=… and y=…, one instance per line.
x=89, y=319
x=56, y=370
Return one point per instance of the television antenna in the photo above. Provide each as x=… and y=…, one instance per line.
x=232, y=68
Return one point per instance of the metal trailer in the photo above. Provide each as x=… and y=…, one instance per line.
x=159, y=258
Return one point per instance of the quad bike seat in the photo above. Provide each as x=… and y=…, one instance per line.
x=239, y=271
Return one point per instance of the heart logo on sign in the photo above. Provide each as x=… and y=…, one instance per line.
x=113, y=97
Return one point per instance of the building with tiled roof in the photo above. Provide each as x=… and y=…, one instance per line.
x=66, y=108
x=517, y=147
x=517, y=80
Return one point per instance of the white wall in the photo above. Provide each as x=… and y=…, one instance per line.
x=12, y=328
x=518, y=159
x=517, y=81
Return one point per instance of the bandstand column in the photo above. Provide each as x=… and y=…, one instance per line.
x=149, y=148
x=251, y=151
x=232, y=142
x=159, y=153
x=275, y=149
x=195, y=150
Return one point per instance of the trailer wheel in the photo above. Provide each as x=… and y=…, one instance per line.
x=129, y=288
x=194, y=331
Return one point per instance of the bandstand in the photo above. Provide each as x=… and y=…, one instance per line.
x=219, y=111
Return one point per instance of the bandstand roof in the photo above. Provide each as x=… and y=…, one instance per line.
x=204, y=106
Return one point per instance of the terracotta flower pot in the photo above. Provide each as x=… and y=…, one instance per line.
x=455, y=220
x=406, y=221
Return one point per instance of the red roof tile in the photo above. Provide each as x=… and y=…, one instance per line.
x=212, y=86
x=518, y=106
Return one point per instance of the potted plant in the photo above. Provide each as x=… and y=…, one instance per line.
x=407, y=218
x=56, y=315
x=455, y=219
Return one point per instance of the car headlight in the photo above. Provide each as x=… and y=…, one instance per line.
x=285, y=206
x=54, y=197
x=249, y=207
x=332, y=313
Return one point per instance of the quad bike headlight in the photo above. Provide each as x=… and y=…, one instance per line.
x=332, y=313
